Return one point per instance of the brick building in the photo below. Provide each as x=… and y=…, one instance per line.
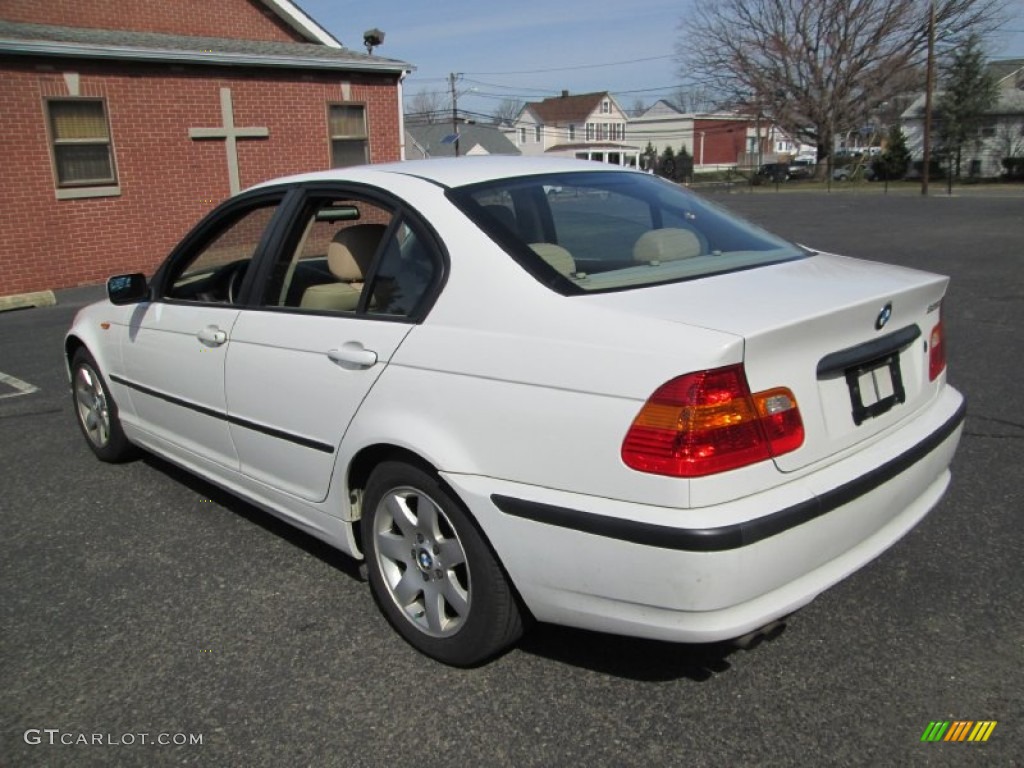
x=122, y=123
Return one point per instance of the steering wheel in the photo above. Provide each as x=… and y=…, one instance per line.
x=235, y=280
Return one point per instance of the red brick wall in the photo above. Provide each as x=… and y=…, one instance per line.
x=167, y=180
x=724, y=140
x=243, y=19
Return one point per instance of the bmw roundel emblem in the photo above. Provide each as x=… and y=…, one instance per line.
x=883, y=317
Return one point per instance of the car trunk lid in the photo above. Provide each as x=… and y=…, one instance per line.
x=848, y=337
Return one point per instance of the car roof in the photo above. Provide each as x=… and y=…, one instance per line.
x=453, y=172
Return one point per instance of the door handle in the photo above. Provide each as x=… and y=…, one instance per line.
x=352, y=354
x=212, y=336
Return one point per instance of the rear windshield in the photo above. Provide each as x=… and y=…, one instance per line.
x=600, y=231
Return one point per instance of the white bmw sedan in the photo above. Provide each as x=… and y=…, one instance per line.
x=533, y=389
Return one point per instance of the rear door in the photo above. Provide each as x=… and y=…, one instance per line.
x=305, y=354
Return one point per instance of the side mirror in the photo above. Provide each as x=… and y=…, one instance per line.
x=127, y=289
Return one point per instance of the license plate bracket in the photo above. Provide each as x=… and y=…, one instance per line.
x=882, y=372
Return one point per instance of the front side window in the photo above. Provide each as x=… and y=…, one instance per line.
x=572, y=133
x=585, y=232
x=80, y=142
x=347, y=132
x=214, y=270
x=536, y=133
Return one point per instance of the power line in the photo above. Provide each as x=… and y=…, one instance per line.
x=568, y=69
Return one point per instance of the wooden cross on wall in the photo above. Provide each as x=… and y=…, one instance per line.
x=231, y=134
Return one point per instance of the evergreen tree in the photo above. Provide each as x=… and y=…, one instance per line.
x=892, y=164
x=969, y=92
x=667, y=163
x=650, y=157
x=684, y=165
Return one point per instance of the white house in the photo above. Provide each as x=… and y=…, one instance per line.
x=1001, y=135
x=717, y=140
x=587, y=126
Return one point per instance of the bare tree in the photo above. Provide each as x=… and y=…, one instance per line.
x=695, y=100
x=638, y=107
x=819, y=67
x=428, y=107
x=507, y=111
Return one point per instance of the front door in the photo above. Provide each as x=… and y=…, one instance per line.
x=176, y=345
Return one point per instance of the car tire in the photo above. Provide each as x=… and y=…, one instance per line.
x=96, y=411
x=431, y=571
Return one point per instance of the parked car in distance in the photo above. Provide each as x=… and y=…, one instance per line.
x=802, y=168
x=774, y=171
x=618, y=407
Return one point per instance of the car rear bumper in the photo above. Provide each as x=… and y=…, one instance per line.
x=637, y=570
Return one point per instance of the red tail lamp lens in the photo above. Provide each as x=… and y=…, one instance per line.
x=936, y=352
x=707, y=422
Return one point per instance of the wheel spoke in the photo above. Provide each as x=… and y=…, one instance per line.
x=426, y=511
x=91, y=420
x=451, y=553
x=457, y=597
x=394, y=547
x=408, y=587
x=398, y=509
x=85, y=397
x=102, y=432
x=433, y=602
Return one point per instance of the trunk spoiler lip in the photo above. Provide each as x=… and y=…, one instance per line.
x=837, y=363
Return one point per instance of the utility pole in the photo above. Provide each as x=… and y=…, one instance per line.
x=929, y=84
x=452, y=77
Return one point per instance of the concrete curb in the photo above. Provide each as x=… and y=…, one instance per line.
x=22, y=300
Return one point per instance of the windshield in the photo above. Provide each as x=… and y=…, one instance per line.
x=597, y=231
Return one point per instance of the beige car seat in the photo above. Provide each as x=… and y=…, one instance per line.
x=348, y=258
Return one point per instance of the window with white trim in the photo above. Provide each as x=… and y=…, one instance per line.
x=83, y=155
x=537, y=130
x=572, y=133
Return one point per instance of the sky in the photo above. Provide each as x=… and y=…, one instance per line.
x=532, y=49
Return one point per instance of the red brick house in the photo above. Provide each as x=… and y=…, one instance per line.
x=122, y=123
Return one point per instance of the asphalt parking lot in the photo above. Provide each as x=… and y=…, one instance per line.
x=139, y=600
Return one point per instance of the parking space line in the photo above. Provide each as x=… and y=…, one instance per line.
x=21, y=387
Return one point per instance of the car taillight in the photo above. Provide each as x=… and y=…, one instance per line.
x=936, y=351
x=707, y=422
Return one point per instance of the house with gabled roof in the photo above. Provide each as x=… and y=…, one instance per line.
x=1000, y=137
x=125, y=122
x=587, y=126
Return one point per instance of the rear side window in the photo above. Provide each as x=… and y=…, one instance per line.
x=612, y=230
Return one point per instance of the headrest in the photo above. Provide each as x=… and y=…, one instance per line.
x=556, y=256
x=667, y=244
x=351, y=250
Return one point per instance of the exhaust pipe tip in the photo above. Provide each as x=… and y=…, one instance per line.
x=751, y=640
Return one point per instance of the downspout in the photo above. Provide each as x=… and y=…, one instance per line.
x=401, y=118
